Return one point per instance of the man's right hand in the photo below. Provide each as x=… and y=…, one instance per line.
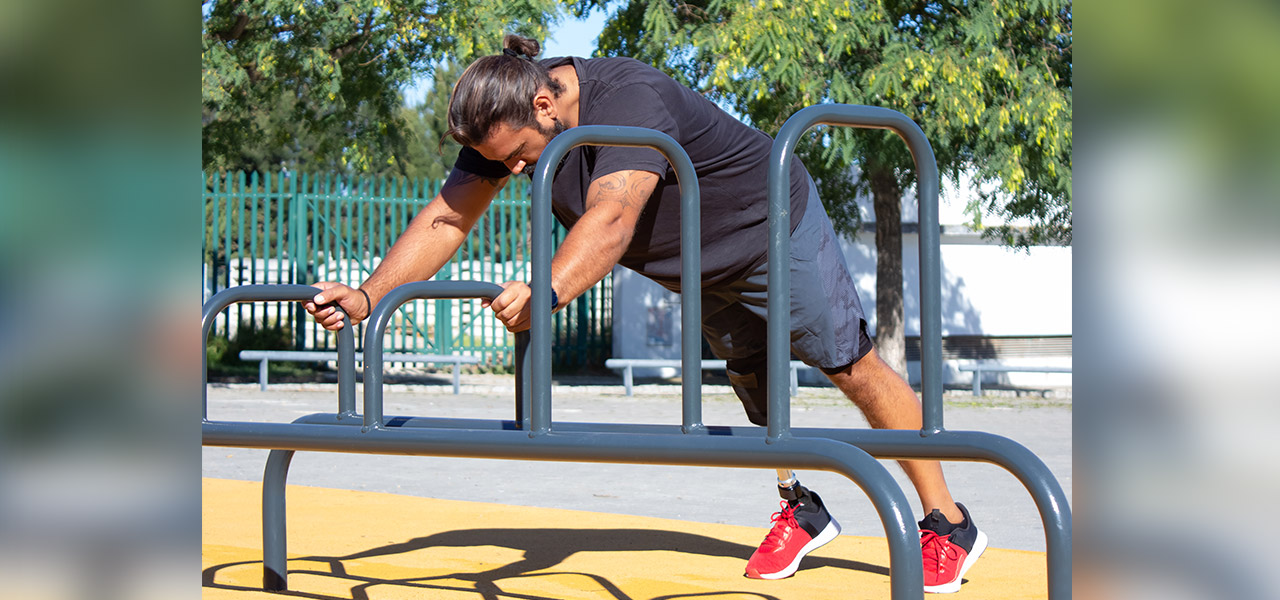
x=335, y=300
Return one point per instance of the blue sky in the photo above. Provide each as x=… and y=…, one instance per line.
x=571, y=37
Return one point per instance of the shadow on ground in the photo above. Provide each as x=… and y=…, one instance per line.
x=543, y=549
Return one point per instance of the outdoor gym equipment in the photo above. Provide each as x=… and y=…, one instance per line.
x=531, y=435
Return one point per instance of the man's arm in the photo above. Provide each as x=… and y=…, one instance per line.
x=592, y=248
x=430, y=240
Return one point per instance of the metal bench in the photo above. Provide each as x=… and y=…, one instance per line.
x=980, y=368
x=626, y=365
x=264, y=356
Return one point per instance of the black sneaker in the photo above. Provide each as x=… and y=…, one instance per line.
x=948, y=550
x=802, y=526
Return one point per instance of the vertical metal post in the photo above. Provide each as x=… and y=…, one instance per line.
x=376, y=327
x=275, y=567
x=522, y=379
x=346, y=369
x=220, y=301
x=779, y=250
x=262, y=374
x=690, y=262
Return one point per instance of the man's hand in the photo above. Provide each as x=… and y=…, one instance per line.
x=513, y=306
x=335, y=300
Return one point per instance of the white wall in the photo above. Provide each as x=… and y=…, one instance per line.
x=986, y=290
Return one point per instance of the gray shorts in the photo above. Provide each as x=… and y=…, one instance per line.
x=828, y=328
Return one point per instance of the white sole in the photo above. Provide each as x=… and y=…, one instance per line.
x=979, y=546
x=827, y=534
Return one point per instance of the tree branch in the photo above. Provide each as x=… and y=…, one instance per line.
x=350, y=45
x=236, y=30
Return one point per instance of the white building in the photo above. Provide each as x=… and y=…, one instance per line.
x=998, y=304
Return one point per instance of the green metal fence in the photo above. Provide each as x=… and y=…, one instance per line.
x=304, y=228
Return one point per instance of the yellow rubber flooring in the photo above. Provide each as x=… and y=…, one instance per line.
x=375, y=546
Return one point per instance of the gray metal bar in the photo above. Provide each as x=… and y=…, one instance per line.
x=275, y=564
x=381, y=316
x=323, y=356
x=522, y=379
x=780, y=251
x=259, y=293
x=977, y=381
x=701, y=450
x=883, y=444
x=262, y=375
x=628, y=364
x=690, y=260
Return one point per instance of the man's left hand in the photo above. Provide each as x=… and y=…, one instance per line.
x=513, y=306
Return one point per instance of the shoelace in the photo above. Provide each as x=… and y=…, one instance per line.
x=781, y=520
x=936, y=549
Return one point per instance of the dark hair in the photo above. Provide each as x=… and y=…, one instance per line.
x=498, y=89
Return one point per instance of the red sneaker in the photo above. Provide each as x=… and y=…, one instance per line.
x=799, y=528
x=948, y=556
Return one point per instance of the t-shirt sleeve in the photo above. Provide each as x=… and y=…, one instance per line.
x=635, y=105
x=473, y=162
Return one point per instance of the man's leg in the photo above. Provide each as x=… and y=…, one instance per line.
x=889, y=403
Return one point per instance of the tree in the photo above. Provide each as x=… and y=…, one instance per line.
x=423, y=155
x=319, y=82
x=989, y=82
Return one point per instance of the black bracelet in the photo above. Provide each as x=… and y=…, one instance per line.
x=367, y=302
x=555, y=299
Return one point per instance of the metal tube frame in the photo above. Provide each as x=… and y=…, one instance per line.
x=932, y=441
x=530, y=437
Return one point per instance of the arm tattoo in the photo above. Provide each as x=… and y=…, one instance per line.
x=628, y=189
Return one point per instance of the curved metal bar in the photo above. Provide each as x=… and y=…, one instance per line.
x=592, y=446
x=381, y=316
x=690, y=262
x=780, y=252
x=259, y=293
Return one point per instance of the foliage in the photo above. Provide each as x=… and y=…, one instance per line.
x=424, y=156
x=317, y=84
x=223, y=354
x=988, y=82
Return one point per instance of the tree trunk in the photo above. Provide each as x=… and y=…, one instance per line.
x=890, y=331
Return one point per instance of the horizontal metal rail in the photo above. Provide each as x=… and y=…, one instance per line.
x=627, y=366
x=980, y=368
x=265, y=356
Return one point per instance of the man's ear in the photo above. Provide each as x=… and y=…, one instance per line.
x=544, y=106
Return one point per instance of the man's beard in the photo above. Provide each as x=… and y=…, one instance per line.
x=550, y=132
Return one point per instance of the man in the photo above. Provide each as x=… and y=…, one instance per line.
x=621, y=206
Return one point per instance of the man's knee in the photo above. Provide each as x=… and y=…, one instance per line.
x=750, y=381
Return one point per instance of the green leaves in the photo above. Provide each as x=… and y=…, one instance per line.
x=280, y=73
x=989, y=82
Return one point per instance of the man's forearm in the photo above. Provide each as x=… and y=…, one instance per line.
x=434, y=235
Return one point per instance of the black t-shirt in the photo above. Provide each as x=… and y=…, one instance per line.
x=730, y=159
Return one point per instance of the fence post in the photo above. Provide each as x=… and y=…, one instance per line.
x=298, y=232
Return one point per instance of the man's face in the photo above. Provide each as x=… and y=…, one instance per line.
x=519, y=149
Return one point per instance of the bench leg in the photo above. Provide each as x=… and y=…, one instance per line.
x=626, y=378
x=262, y=374
x=977, y=382
x=795, y=382
x=457, y=378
